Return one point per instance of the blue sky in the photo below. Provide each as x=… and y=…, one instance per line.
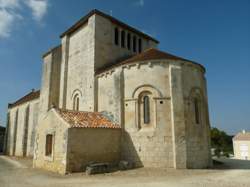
x=213, y=33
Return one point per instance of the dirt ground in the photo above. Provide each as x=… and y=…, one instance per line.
x=16, y=172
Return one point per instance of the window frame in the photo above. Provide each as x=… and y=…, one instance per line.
x=49, y=157
x=146, y=109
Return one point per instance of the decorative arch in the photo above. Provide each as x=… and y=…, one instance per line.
x=146, y=106
x=76, y=91
x=146, y=88
x=76, y=95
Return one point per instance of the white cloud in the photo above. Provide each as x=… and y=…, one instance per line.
x=139, y=3
x=10, y=13
x=38, y=7
x=9, y=4
x=6, y=23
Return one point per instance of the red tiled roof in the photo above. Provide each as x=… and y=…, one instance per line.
x=87, y=119
x=242, y=136
x=84, y=19
x=148, y=54
x=29, y=97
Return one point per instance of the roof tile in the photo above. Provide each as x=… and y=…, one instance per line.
x=148, y=54
x=242, y=136
x=81, y=119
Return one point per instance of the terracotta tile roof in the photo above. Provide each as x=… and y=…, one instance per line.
x=84, y=19
x=242, y=136
x=148, y=54
x=87, y=119
x=29, y=97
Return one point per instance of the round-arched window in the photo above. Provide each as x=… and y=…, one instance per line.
x=76, y=101
x=146, y=110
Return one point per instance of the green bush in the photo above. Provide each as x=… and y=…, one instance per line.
x=221, y=142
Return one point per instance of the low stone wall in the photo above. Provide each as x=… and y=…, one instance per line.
x=86, y=145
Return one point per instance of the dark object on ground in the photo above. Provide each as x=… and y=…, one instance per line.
x=96, y=168
x=125, y=165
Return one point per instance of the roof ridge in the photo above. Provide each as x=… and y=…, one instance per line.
x=147, y=55
x=24, y=99
x=82, y=20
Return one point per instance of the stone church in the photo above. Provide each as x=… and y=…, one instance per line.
x=108, y=94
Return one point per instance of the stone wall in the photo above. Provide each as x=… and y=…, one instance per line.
x=86, y=145
x=148, y=145
x=106, y=51
x=171, y=139
x=197, y=135
x=50, y=85
x=110, y=95
x=51, y=124
x=23, y=120
x=78, y=67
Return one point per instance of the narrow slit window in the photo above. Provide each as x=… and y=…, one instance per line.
x=197, y=112
x=146, y=110
x=134, y=43
x=128, y=41
x=123, y=39
x=140, y=45
x=76, y=101
x=116, y=36
x=49, y=144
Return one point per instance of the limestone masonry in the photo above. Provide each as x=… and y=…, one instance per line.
x=107, y=95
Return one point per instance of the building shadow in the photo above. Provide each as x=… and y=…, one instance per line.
x=230, y=163
x=129, y=151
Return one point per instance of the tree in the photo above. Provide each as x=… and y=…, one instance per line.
x=221, y=142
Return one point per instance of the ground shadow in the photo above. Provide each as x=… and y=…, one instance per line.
x=230, y=163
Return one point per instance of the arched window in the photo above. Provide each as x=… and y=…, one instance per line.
x=134, y=43
x=146, y=110
x=197, y=111
x=76, y=102
x=140, y=45
x=116, y=36
x=123, y=39
x=128, y=41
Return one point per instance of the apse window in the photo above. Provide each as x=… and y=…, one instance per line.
x=146, y=110
x=49, y=145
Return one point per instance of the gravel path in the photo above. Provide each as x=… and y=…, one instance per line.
x=15, y=175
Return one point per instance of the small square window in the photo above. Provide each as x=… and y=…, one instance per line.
x=161, y=102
